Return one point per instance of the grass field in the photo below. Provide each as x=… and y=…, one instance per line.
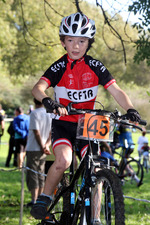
x=136, y=212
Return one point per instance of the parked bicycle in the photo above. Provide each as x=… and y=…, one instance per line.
x=94, y=190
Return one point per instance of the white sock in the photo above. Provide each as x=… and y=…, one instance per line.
x=136, y=178
x=48, y=196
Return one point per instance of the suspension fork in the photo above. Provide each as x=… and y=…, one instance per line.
x=88, y=183
x=72, y=189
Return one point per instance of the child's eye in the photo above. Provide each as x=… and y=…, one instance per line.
x=82, y=41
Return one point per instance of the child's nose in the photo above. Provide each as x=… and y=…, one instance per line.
x=76, y=45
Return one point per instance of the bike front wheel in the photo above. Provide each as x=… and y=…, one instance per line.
x=107, y=202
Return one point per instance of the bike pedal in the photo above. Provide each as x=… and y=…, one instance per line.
x=49, y=219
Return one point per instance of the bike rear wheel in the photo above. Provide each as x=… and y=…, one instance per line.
x=107, y=202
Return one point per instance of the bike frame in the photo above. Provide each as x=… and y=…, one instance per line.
x=87, y=163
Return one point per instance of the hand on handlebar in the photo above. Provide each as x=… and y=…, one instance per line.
x=61, y=111
x=54, y=107
x=132, y=115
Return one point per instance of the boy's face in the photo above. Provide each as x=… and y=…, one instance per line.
x=75, y=46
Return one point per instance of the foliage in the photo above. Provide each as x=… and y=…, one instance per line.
x=143, y=43
x=29, y=43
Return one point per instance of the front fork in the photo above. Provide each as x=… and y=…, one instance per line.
x=90, y=181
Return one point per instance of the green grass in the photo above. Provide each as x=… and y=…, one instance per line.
x=10, y=191
x=136, y=212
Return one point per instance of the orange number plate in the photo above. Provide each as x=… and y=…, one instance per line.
x=96, y=126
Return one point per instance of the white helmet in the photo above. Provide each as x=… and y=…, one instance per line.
x=77, y=25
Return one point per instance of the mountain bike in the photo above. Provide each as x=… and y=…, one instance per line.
x=129, y=169
x=93, y=190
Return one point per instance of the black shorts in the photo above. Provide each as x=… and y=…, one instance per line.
x=20, y=144
x=64, y=132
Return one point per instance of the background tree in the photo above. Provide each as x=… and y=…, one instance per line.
x=142, y=7
x=142, y=42
x=29, y=43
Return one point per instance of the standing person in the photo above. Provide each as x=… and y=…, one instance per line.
x=38, y=142
x=2, y=122
x=31, y=108
x=11, y=149
x=75, y=78
x=145, y=149
x=21, y=128
x=125, y=138
x=2, y=112
x=141, y=140
x=49, y=161
x=2, y=125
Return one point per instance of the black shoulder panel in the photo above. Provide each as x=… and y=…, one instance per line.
x=55, y=72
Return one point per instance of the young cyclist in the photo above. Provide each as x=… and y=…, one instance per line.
x=75, y=78
x=145, y=149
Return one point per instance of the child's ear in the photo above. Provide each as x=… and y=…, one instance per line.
x=63, y=44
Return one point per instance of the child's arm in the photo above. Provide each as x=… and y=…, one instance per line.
x=38, y=92
x=120, y=96
x=124, y=101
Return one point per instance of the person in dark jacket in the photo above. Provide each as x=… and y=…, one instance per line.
x=11, y=149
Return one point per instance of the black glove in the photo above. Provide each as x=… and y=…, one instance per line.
x=133, y=115
x=50, y=105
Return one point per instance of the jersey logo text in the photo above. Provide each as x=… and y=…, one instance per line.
x=58, y=66
x=97, y=63
x=78, y=95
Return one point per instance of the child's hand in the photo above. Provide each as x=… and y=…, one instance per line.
x=133, y=115
x=54, y=107
x=61, y=111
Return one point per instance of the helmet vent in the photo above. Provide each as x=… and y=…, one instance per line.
x=69, y=21
x=74, y=27
x=65, y=29
x=93, y=27
x=83, y=22
x=84, y=31
x=76, y=17
x=92, y=34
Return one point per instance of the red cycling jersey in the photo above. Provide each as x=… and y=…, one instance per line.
x=77, y=81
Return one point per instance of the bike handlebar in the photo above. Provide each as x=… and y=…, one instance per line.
x=122, y=119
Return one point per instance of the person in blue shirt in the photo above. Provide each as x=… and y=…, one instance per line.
x=21, y=128
x=125, y=139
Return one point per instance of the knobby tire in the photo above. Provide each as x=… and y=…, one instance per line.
x=112, y=202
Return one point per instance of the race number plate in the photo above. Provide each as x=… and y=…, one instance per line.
x=95, y=127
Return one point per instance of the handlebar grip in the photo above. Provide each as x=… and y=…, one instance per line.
x=143, y=122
